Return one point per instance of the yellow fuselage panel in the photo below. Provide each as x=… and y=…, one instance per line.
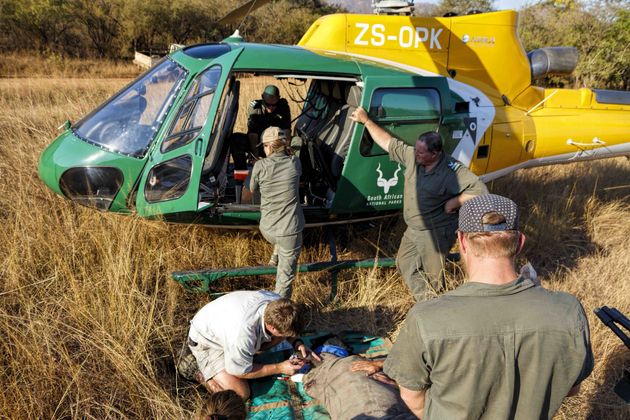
x=480, y=50
x=577, y=98
x=485, y=52
x=566, y=130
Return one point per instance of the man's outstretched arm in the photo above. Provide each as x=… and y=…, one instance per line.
x=380, y=136
x=452, y=205
x=288, y=367
x=370, y=367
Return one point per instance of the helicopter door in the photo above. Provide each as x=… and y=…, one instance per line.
x=405, y=106
x=507, y=139
x=170, y=182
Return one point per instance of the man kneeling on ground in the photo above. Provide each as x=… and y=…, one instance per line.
x=226, y=333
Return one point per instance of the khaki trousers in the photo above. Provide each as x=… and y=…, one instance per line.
x=421, y=258
x=288, y=250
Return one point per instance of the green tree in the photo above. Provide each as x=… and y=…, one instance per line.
x=101, y=20
x=43, y=25
x=600, y=32
x=282, y=22
x=463, y=7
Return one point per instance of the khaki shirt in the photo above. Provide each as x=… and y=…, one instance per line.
x=485, y=351
x=278, y=177
x=426, y=193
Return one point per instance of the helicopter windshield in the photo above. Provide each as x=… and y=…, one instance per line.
x=128, y=122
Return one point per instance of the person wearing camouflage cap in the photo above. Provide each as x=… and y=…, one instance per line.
x=499, y=346
x=269, y=111
x=281, y=218
x=436, y=185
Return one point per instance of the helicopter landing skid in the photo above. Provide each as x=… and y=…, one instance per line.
x=200, y=281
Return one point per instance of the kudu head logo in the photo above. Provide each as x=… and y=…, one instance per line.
x=386, y=184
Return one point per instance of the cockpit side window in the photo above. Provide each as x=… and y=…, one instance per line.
x=193, y=113
x=129, y=121
x=404, y=112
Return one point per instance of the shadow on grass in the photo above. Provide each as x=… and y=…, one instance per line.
x=605, y=404
x=378, y=320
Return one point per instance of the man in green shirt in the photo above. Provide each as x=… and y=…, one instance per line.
x=499, y=346
x=436, y=185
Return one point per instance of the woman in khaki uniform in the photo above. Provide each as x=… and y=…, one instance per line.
x=281, y=219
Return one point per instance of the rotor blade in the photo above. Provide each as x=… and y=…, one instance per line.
x=239, y=13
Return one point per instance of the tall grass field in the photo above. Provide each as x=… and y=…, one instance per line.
x=91, y=323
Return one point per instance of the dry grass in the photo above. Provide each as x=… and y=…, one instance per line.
x=90, y=322
x=16, y=65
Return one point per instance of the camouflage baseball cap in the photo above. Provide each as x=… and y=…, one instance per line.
x=272, y=90
x=472, y=211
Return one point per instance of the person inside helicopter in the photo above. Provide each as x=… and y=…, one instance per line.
x=270, y=110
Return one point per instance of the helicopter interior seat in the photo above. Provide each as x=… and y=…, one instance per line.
x=336, y=139
x=214, y=169
x=133, y=108
x=324, y=99
x=333, y=138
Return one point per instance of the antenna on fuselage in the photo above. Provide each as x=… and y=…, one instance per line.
x=235, y=37
x=392, y=7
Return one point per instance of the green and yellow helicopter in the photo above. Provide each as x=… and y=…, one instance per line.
x=160, y=146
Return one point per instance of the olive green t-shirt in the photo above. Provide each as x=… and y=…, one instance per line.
x=278, y=177
x=425, y=193
x=486, y=351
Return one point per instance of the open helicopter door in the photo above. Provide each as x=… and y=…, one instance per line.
x=170, y=181
x=404, y=105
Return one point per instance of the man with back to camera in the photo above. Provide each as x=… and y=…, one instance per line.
x=436, y=185
x=226, y=333
x=498, y=346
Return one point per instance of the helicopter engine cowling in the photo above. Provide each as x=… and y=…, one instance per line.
x=552, y=60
